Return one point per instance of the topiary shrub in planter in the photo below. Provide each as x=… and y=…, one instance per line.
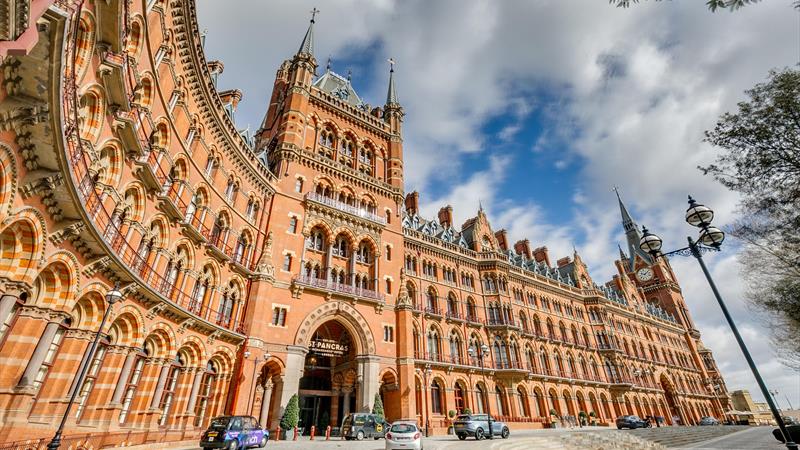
x=377, y=408
x=553, y=418
x=450, y=414
x=291, y=415
x=593, y=416
x=466, y=411
x=582, y=418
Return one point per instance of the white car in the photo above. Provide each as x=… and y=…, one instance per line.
x=404, y=434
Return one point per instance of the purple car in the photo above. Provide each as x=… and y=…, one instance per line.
x=233, y=433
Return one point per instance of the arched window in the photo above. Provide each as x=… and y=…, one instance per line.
x=459, y=397
x=433, y=345
x=524, y=410
x=341, y=247
x=168, y=396
x=501, y=404
x=326, y=137
x=480, y=399
x=436, y=397
x=204, y=393
x=91, y=378
x=431, y=300
x=455, y=348
x=132, y=383
x=226, y=308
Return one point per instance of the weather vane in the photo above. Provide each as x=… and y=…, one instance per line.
x=392, y=62
x=314, y=14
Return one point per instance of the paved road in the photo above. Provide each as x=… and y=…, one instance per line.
x=756, y=438
x=431, y=443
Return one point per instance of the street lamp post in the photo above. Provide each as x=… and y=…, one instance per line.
x=480, y=353
x=253, y=379
x=425, y=373
x=112, y=296
x=710, y=239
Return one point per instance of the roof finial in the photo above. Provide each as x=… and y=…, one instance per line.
x=391, y=95
x=349, y=75
x=328, y=65
x=307, y=46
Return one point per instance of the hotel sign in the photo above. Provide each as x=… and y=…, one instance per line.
x=328, y=347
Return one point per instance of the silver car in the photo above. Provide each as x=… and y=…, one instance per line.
x=404, y=434
x=478, y=425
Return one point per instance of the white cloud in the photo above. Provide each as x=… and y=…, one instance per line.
x=628, y=95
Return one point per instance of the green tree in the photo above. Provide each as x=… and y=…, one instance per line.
x=377, y=408
x=760, y=159
x=291, y=416
x=713, y=5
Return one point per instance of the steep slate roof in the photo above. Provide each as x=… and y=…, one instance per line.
x=334, y=84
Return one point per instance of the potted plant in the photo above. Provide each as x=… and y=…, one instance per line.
x=594, y=418
x=450, y=415
x=553, y=418
x=377, y=407
x=291, y=417
x=466, y=411
x=582, y=418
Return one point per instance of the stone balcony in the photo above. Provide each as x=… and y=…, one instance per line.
x=344, y=207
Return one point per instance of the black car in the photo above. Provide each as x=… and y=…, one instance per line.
x=234, y=433
x=793, y=430
x=632, y=422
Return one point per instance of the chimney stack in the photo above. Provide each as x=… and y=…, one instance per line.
x=412, y=203
x=502, y=239
x=563, y=261
x=523, y=247
x=541, y=255
x=446, y=216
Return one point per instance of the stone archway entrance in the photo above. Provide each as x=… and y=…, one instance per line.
x=329, y=386
x=672, y=406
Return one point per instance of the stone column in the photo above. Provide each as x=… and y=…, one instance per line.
x=295, y=361
x=346, y=401
x=351, y=268
x=376, y=276
x=328, y=259
x=38, y=354
x=263, y=417
x=162, y=380
x=198, y=379
x=368, y=367
x=7, y=302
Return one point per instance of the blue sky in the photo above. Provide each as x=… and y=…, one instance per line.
x=538, y=109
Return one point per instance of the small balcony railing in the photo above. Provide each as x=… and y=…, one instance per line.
x=349, y=209
x=333, y=286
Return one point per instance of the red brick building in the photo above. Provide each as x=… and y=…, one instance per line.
x=289, y=262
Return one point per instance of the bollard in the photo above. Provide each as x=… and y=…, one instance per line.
x=313, y=431
x=278, y=434
x=295, y=433
x=328, y=433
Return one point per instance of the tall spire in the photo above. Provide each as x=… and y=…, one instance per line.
x=391, y=94
x=632, y=235
x=307, y=46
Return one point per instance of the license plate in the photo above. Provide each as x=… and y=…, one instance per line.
x=212, y=434
x=460, y=425
x=211, y=439
x=403, y=438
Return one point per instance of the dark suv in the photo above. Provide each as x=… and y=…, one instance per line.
x=631, y=422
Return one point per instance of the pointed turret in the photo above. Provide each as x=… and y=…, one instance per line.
x=307, y=46
x=391, y=94
x=632, y=234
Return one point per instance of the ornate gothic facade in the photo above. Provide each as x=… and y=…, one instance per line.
x=289, y=262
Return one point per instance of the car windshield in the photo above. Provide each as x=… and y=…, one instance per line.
x=403, y=428
x=464, y=417
x=220, y=422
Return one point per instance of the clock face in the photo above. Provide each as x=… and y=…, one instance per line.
x=645, y=274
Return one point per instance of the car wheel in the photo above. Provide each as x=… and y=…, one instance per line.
x=462, y=437
x=233, y=445
x=263, y=442
x=479, y=434
x=360, y=436
x=504, y=433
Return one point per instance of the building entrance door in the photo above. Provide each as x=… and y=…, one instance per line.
x=328, y=387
